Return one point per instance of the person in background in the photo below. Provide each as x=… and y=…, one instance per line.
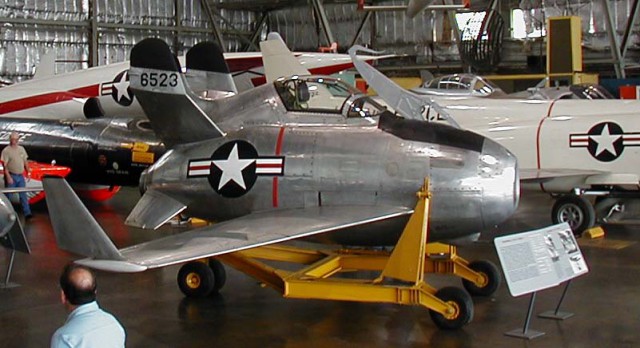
x=87, y=324
x=14, y=158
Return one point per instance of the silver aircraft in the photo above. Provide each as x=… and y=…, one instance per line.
x=305, y=156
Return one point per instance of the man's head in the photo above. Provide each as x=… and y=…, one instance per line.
x=78, y=284
x=13, y=138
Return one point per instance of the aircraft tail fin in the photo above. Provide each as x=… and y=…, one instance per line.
x=47, y=65
x=278, y=60
x=207, y=72
x=165, y=97
x=75, y=229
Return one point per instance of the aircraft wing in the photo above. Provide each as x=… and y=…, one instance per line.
x=407, y=103
x=533, y=175
x=84, y=237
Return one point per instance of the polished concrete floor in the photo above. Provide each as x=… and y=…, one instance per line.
x=606, y=301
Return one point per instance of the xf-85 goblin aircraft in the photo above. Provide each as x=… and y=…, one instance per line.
x=570, y=148
x=300, y=157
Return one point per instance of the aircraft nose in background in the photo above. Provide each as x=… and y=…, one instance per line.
x=498, y=169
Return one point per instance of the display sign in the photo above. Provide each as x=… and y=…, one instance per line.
x=540, y=259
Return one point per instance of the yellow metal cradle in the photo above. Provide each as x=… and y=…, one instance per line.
x=401, y=280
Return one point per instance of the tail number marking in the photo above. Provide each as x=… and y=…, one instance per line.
x=153, y=79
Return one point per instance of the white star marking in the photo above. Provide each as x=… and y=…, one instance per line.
x=232, y=168
x=605, y=141
x=121, y=87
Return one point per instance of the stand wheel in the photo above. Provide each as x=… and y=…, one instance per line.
x=463, y=305
x=219, y=274
x=577, y=211
x=196, y=279
x=490, y=272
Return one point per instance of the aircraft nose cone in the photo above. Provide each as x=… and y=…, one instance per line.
x=498, y=169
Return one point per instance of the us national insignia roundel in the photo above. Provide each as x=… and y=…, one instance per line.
x=119, y=89
x=605, y=141
x=234, y=168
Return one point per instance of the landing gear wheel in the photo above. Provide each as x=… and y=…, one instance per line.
x=490, y=273
x=577, y=211
x=196, y=279
x=463, y=305
x=219, y=274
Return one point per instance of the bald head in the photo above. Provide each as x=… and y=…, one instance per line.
x=78, y=284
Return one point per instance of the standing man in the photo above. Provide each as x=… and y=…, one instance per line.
x=87, y=325
x=14, y=158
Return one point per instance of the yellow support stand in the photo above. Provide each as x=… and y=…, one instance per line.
x=401, y=280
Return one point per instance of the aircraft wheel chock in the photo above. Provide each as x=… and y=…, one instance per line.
x=219, y=274
x=463, y=309
x=491, y=279
x=577, y=211
x=196, y=279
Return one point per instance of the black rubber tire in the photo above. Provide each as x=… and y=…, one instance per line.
x=494, y=278
x=219, y=274
x=577, y=211
x=196, y=279
x=465, y=308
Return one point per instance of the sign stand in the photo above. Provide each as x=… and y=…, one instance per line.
x=557, y=314
x=525, y=333
x=7, y=284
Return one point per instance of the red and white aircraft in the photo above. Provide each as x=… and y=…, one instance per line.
x=65, y=95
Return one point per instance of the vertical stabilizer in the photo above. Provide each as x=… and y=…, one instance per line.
x=208, y=72
x=278, y=60
x=165, y=97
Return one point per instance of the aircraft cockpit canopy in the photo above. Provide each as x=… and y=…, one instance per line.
x=474, y=84
x=322, y=94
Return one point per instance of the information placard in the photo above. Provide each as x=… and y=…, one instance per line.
x=540, y=259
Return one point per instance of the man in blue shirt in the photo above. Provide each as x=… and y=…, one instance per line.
x=87, y=324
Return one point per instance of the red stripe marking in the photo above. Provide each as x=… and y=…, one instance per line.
x=269, y=165
x=330, y=69
x=200, y=167
x=279, y=141
x=274, y=192
x=48, y=98
x=538, y=138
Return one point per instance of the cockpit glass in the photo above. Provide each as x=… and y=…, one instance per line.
x=324, y=95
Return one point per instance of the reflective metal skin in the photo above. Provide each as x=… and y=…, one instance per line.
x=334, y=152
x=105, y=151
x=571, y=148
x=301, y=157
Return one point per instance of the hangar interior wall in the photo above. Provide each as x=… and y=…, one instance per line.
x=32, y=27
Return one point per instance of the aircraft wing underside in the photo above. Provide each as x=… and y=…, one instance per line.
x=588, y=177
x=246, y=232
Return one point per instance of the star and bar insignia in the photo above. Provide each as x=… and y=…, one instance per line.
x=605, y=141
x=234, y=167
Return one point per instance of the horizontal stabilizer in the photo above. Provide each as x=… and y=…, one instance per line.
x=153, y=210
x=207, y=70
x=166, y=99
x=75, y=229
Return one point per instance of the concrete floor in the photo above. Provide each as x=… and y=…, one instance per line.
x=155, y=314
